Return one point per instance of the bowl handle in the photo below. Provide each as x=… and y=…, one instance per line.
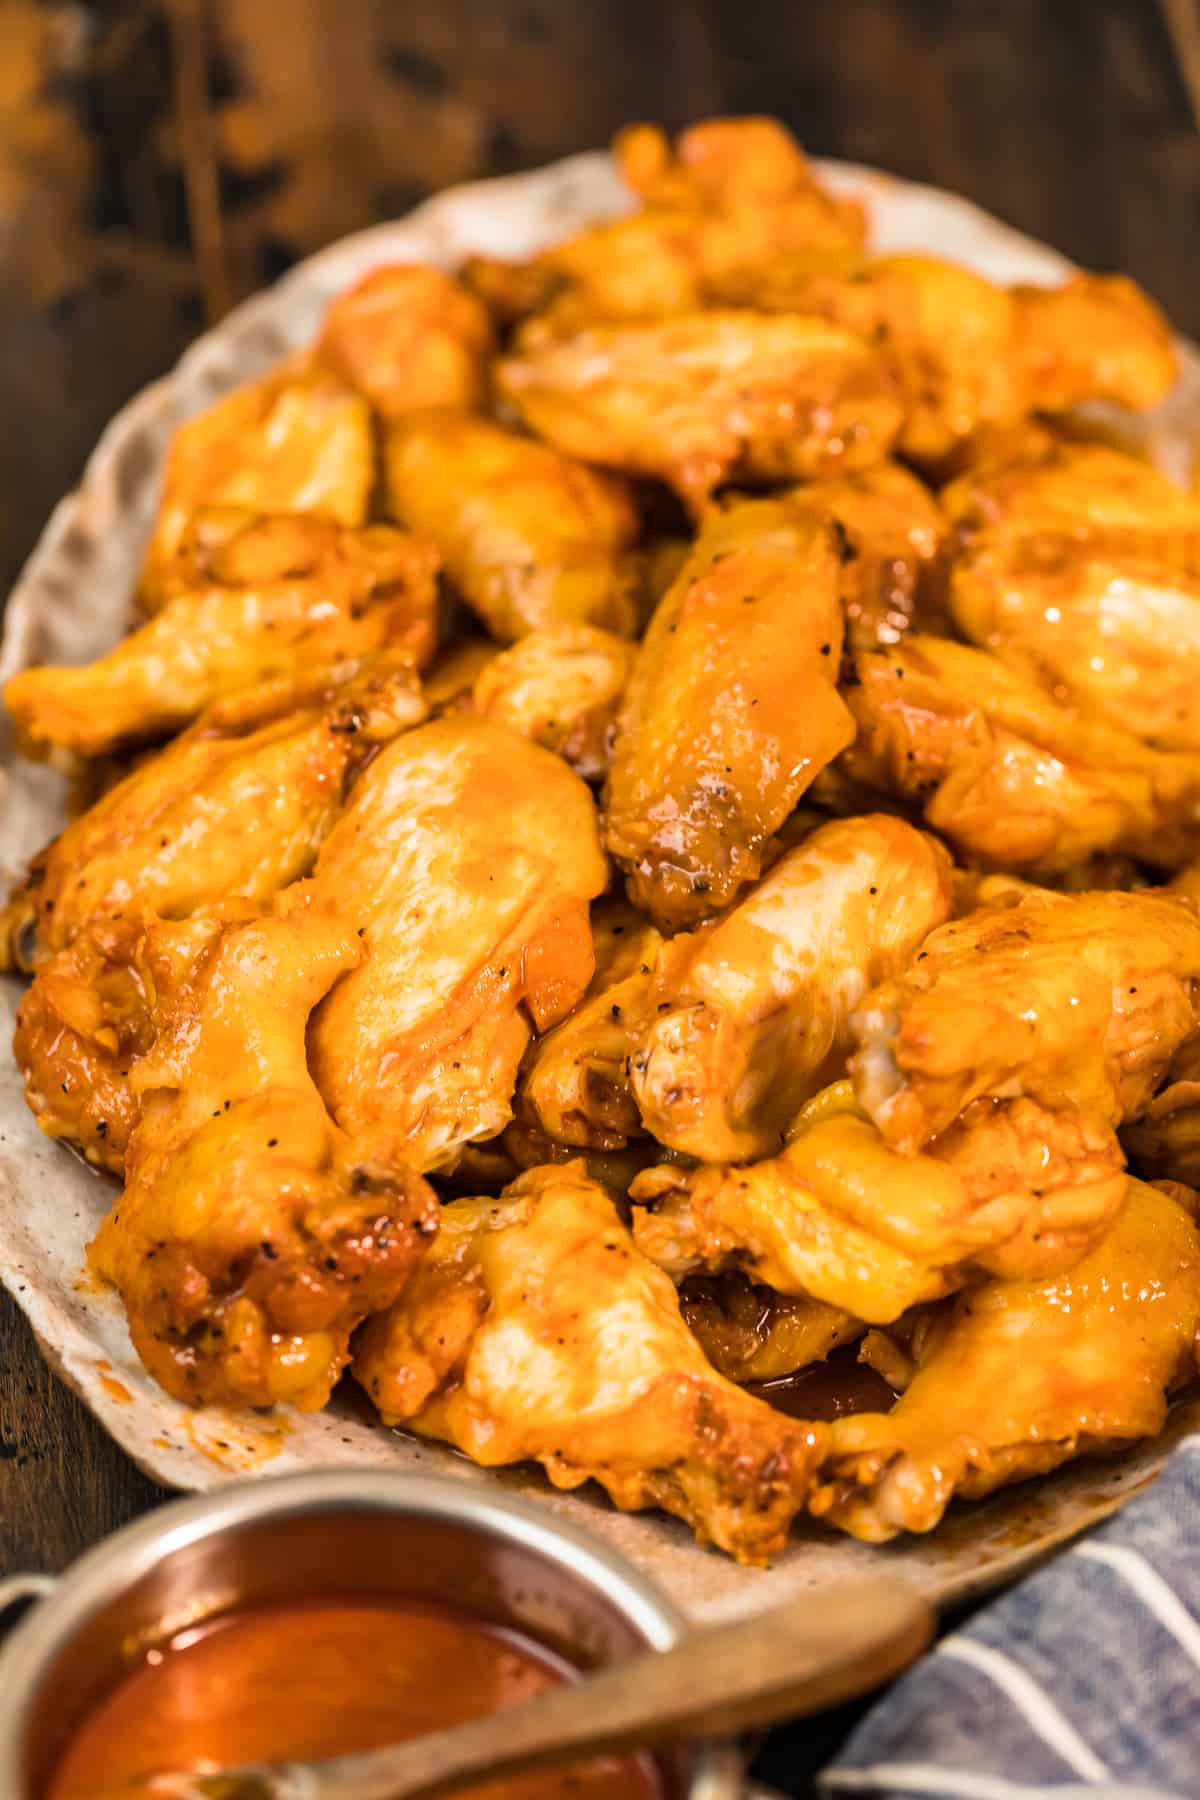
x=15, y=1588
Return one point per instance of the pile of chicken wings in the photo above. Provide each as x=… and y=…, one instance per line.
x=645, y=835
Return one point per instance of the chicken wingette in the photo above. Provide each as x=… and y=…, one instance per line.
x=710, y=398
x=253, y=1234
x=1019, y=1376
x=1081, y=566
x=731, y=711
x=296, y=441
x=1076, y=1000
x=466, y=859
x=728, y=194
x=534, y=1330
x=238, y=805
x=751, y=1333
x=530, y=537
x=281, y=596
x=970, y=354
x=841, y=1217
x=561, y=687
x=750, y=1015
x=408, y=336
x=1012, y=779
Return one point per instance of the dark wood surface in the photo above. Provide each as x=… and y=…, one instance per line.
x=1068, y=118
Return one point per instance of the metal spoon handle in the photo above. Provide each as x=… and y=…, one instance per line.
x=718, y=1681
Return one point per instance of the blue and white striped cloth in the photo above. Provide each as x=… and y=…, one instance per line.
x=1081, y=1683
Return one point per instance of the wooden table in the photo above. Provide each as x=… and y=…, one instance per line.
x=1071, y=120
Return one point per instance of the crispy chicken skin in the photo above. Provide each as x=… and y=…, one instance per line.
x=970, y=354
x=409, y=337
x=561, y=687
x=730, y=193
x=236, y=806
x=575, y=1084
x=252, y=1236
x=534, y=1330
x=841, y=1217
x=751, y=1333
x=1083, y=568
x=751, y=1013
x=530, y=537
x=731, y=710
x=283, y=595
x=892, y=536
x=1008, y=776
x=467, y=858
x=1019, y=1376
x=710, y=398
x=1076, y=1000
x=296, y=441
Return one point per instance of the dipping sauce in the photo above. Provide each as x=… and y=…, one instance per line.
x=320, y=1680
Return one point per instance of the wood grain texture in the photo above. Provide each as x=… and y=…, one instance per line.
x=1070, y=121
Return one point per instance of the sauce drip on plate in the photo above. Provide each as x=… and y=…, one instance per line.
x=324, y=1680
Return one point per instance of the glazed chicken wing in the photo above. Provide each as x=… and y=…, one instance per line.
x=1083, y=568
x=236, y=806
x=561, y=687
x=575, y=1083
x=535, y=1330
x=407, y=337
x=730, y=193
x=751, y=1333
x=530, y=537
x=1020, y=1376
x=891, y=535
x=710, y=398
x=1011, y=778
x=1076, y=1000
x=282, y=596
x=297, y=441
x=970, y=354
x=731, y=710
x=466, y=858
x=839, y=1216
x=1164, y=1143
x=751, y=1013
x=253, y=1235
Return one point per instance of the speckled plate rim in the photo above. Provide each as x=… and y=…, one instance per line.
x=70, y=603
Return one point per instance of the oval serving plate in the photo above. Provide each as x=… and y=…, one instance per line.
x=71, y=603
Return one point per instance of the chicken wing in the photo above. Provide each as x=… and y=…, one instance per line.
x=1165, y=1141
x=560, y=687
x=296, y=441
x=751, y=1333
x=891, y=535
x=284, y=595
x=1021, y=1376
x=1011, y=778
x=467, y=858
x=970, y=354
x=236, y=806
x=407, y=337
x=529, y=536
x=1076, y=1000
x=575, y=1083
x=1083, y=568
x=535, y=1330
x=253, y=1235
x=751, y=1013
x=732, y=192
x=841, y=1217
x=731, y=710
x=710, y=398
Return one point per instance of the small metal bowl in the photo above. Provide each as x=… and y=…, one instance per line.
x=312, y=1536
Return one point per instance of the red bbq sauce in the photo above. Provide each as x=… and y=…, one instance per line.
x=311, y=1681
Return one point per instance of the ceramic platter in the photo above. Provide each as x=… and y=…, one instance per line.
x=72, y=602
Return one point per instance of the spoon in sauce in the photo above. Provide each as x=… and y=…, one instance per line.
x=719, y=1681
